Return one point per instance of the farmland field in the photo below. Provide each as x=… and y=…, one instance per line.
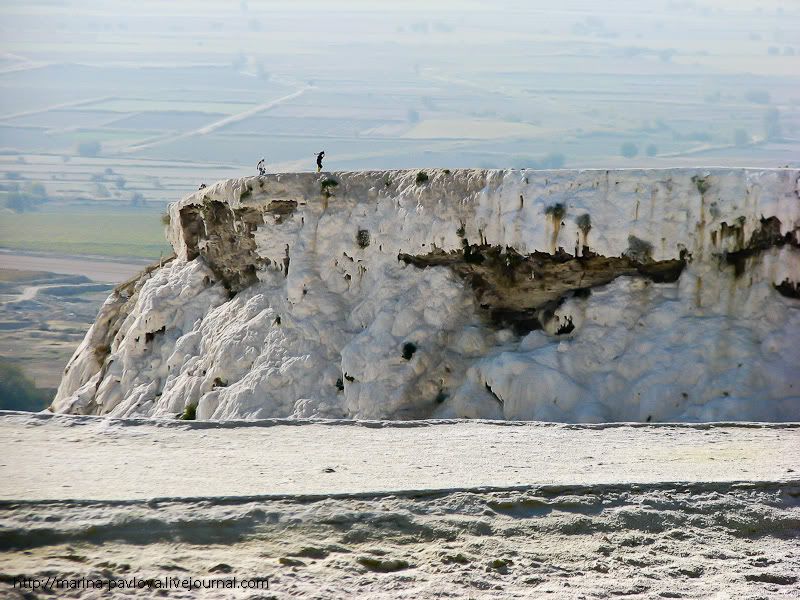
x=93, y=231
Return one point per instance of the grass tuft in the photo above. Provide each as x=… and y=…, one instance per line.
x=326, y=185
x=189, y=413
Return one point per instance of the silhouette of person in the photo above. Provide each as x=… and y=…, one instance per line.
x=262, y=167
x=320, y=156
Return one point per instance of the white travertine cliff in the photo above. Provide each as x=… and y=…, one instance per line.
x=635, y=295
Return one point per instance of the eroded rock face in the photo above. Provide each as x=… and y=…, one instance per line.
x=223, y=237
x=523, y=292
x=561, y=295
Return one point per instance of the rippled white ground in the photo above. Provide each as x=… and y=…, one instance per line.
x=704, y=511
x=693, y=542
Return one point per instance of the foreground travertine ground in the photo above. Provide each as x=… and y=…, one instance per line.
x=404, y=510
x=89, y=458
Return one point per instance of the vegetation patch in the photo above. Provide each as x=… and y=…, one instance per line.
x=774, y=578
x=362, y=238
x=556, y=211
x=27, y=197
x=111, y=232
x=422, y=177
x=500, y=565
x=639, y=250
x=90, y=148
x=382, y=566
x=18, y=392
x=629, y=150
x=189, y=413
x=584, y=223
x=458, y=559
x=327, y=186
x=101, y=351
x=702, y=184
x=291, y=562
x=312, y=552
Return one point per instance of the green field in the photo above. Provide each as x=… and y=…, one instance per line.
x=102, y=232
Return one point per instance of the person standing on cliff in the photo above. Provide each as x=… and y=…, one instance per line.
x=262, y=167
x=320, y=156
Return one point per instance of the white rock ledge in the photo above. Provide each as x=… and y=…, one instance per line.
x=287, y=299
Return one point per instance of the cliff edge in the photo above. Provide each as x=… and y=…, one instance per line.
x=579, y=296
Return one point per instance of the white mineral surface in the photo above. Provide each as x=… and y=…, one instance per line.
x=553, y=302
x=403, y=510
x=288, y=298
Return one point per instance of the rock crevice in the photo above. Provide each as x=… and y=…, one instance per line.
x=519, y=292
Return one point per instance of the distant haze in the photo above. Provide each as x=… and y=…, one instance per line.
x=404, y=84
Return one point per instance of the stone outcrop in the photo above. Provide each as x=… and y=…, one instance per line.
x=649, y=295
